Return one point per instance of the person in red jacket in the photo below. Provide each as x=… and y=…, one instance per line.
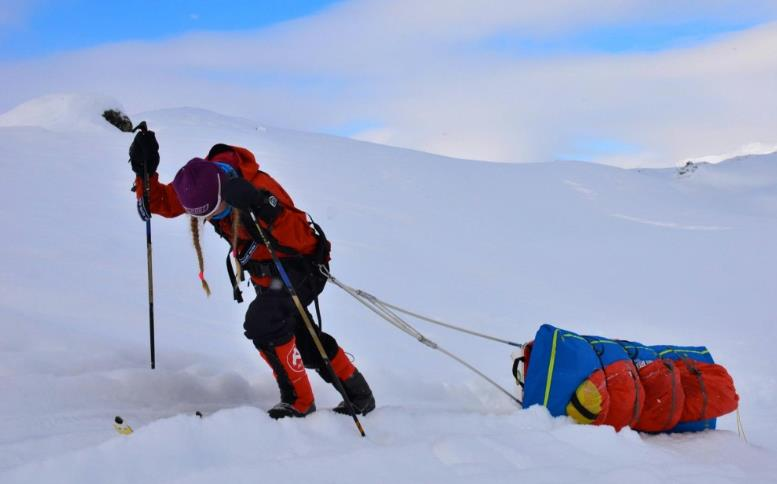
x=221, y=189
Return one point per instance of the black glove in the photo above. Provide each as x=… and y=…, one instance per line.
x=239, y=193
x=144, y=149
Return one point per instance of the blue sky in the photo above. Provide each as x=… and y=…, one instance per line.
x=50, y=26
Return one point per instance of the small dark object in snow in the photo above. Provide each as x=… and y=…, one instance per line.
x=687, y=169
x=121, y=427
x=118, y=119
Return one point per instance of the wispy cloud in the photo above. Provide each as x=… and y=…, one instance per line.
x=425, y=76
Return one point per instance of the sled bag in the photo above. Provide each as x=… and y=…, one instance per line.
x=596, y=380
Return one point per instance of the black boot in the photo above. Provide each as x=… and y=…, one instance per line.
x=283, y=409
x=359, y=394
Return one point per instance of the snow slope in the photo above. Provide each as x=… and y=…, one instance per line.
x=638, y=254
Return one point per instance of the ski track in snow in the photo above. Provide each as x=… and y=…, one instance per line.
x=669, y=225
x=578, y=187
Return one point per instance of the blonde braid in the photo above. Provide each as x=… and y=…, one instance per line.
x=196, y=240
x=235, y=228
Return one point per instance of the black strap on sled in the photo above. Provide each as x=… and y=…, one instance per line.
x=702, y=387
x=517, y=362
x=672, y=369
x=581, y=408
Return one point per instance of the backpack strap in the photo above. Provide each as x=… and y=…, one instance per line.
x=237, y=294
x=320, y=258
x=321, y=255
x=248, y=223
x=318, y=314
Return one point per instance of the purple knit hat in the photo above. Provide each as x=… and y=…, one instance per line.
x=198, y=186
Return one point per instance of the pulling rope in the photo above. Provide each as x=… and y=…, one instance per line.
x=450, y=326
x=740, y=427
x=384, y=310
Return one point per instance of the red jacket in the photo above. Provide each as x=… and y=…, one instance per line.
x=291, y=228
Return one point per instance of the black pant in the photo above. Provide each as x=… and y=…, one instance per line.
x=272, y=318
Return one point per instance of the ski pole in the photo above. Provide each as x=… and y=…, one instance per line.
x=309, y=324
x=146, y=197
x=124, y=124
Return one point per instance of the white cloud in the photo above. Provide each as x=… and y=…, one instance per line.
x=414, y=70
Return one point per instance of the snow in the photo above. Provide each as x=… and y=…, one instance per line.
x=745, y=150
x=639, y=254
x=62, y=112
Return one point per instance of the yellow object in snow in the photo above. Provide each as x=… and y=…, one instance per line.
x=121, y=426
x=586, y=403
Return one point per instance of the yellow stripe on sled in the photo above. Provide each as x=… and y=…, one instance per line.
x=676, y=350
x=551, y=364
